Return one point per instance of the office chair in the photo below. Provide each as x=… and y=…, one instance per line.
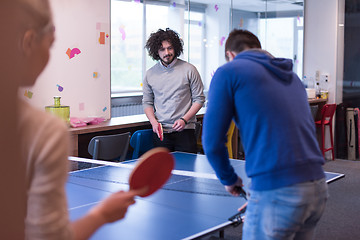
x=141, y=141
x=110, y=147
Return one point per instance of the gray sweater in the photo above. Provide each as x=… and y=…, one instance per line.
x=172, y=90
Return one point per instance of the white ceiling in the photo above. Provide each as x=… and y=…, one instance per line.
x=257, y=5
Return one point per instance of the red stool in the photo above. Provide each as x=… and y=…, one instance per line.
x=327, y=114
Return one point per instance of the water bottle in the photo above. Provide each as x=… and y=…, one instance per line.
x=318, y=90
x=304, y=81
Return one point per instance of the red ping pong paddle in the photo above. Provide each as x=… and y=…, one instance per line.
x=152, y=170
x=161, y=132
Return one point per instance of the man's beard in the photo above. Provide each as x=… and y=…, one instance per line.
x=169, y=61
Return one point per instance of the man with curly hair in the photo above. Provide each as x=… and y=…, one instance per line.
x=172, y=93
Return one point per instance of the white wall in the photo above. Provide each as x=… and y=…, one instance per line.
x=323, y=42
x=78, y=25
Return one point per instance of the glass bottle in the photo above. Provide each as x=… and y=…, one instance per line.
x=59, y=110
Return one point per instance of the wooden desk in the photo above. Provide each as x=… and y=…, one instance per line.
x=316, y=101
x=320, y=103
x=81, y=136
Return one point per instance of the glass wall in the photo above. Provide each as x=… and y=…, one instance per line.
x=351, y=83
x=203, y=25
x=126, y=45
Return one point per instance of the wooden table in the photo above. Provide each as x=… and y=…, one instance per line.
x=81, y=136
x=320, y=103
x=317, y=101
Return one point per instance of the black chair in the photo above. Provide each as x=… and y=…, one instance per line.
x=110, y=147
x=198, y=126
x=314, y=111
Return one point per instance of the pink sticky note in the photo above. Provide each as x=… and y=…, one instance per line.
x=81, y=106
x=102, y=38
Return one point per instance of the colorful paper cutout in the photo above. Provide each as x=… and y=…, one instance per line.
x=60, y=88
x=104, y=109
x=102, y=38
x=241, y=23
x=71, y=52
x=216, y=7
x=174, y=4
x=200, y=24
x=95, y=74
x=122, y=31
x=222, y=41
x=28, y=94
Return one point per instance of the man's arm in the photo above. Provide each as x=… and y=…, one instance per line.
x=149, y=112
x=217, y=119
x=148, y=104
x=198, y=99
x=179, y=124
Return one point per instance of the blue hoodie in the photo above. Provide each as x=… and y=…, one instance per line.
x=269, y=105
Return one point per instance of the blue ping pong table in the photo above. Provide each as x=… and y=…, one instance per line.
x=193, y=203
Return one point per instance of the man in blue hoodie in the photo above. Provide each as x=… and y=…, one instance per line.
x=269, y=105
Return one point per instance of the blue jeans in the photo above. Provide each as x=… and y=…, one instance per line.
x=285, y=213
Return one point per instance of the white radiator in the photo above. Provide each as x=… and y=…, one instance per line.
x=126, y=110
